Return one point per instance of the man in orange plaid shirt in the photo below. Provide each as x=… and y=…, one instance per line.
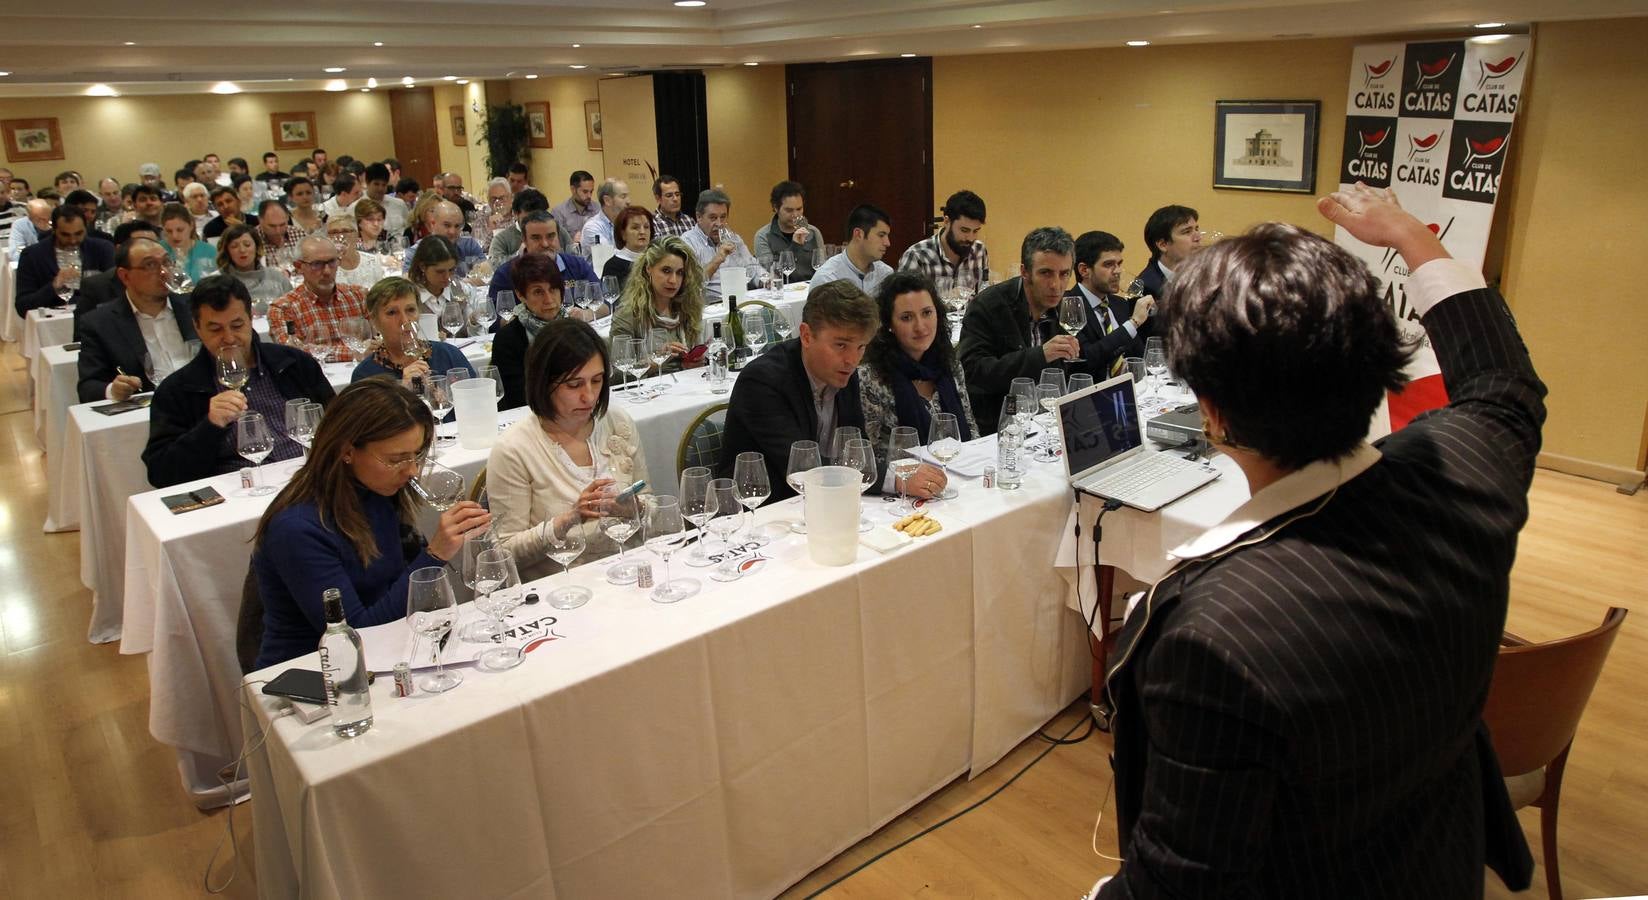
x=315, y=308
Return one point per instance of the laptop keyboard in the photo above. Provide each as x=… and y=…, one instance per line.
x=1149, y=470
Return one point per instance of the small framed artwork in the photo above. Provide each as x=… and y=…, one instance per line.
x=30, y=140
x=293, y=130
x=460, y=131
x=539, y=131
x=1266, y=145
x=592, y=123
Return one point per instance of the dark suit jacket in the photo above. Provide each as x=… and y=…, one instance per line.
x=772, y=408
x=110, y=338
x=509, y=355
x=37, y=266
x=1299, y=715
x=184, y=445
x=1155, y=280
x=94, y=292
x=994, y=348
x=1100, y=350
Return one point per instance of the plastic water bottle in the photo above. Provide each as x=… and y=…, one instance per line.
x=343, y=669
x=1009, y=455
x=719, y=356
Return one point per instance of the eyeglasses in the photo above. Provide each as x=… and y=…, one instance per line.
x=320, y=263
x=416, y=462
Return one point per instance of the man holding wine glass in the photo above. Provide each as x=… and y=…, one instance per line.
x=49, y=271
x=1116, y=327
x=191, y=421
x=128, y=347
x=789, y=231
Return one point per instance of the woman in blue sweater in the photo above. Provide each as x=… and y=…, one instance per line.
x=345, y=521
x=390, y=305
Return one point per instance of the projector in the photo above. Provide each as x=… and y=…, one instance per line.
x=1179, y=427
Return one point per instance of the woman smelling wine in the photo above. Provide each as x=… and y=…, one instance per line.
x=403, y=354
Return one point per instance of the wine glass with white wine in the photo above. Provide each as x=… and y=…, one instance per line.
x=944, y=442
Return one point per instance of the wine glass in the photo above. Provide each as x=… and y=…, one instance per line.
x=611, y=288
x=944, y=442
x=431, y=612
x=901, y=458
x=1025, y=390
x=437, y=395
x=858, y=453
x=412, y=342
x=232, y=373
x=1080, y=381
x=255, y=441
x=658, y=350
x=1073, y=313
x=753, y=486
x=1135, y=289
x=565, y=543
x=803, y=458
x=838, y=443
x=786, y=264
x=1047, y=397
x=505, y=305
x=497, y=380
x=726, y=512
x=497, y=592
x=664, y=534
x=302, y=420
x=481, y=315
x=437, y=485
x=149, y=368
x=1134, y=366
x=1155, y=363
x=619, y=522
x=782, y=329
x=629, y=355
x=476, y=542
x=697, y=506
x=452, y=319
x=455, y=375
x=755, y=330
x=354, y=331
x=68, y=261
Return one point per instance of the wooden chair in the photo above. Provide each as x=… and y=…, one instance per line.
x=1535, y=700
x=701, y=442
x=479, y=487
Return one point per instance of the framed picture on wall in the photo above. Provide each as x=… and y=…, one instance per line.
x=30, y=140
x=460, y=131
x=1265, y=145
x=294, y=130
x=592, y=123
x=540, y=132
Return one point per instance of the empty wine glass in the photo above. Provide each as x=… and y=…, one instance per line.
x=437, y=485
x=1155, y=363
x=658, y=352
x=354, y=331
x=944, y=442
x=803, y=459
x=786, y=264
x=431, y=612
x=725, y=512
x=476, y=542
x=505, y=305
x=697, y=507
x=1025, y=409
x=620, y=520
x=858, y=453
x=452, y=319
x=626, y=351
x=664, y=534
x=902, y=460
x=255, y=441
x=68, y=261
x=491, y=372
x=782, y=327
x=437, y=395
x=498, y=591
x=481, y=315
x=755, y=330
x=1047, y=397
x=754, y=486
x=149, y=368
x=838, y=443
x=1080, y=381
x=302, y=420
x=611, y=288
x=565, y=543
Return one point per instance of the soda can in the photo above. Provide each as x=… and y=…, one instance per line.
x=989, y=476
x=643, y=575
x=403, y=680
x=246, y=479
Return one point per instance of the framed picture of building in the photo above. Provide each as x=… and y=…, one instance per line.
x=293, y=130
x=540, y=133
x=32, y=140
x=1266, y=145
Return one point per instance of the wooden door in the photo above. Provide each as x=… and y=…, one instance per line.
x=417, y=144
x=863, y=133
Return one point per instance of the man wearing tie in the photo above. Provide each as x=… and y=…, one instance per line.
x=1116, y=326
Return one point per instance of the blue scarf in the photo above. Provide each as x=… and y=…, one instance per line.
x=908, y=402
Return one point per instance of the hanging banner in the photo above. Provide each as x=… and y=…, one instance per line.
x=1431, y=121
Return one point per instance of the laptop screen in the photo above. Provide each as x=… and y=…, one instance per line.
x=1098, y=424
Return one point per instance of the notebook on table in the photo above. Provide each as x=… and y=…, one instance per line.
x=1104, y=452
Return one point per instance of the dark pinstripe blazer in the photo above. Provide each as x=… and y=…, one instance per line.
x=1300, y=716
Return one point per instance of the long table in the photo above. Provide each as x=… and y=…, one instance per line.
x=46, y=328
x=182, y=578
x=11, y=324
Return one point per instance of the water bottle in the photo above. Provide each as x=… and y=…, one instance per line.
x=1009, y=455
x=718, y=355
x=343, y=669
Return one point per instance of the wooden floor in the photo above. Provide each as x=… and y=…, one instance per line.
x=91, y=806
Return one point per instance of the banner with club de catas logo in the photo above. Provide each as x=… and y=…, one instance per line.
x=1431, y=120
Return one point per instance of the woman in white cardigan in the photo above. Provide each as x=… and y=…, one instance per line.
x=557, y=462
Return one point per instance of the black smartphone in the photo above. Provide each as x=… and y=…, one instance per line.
x=298, y=684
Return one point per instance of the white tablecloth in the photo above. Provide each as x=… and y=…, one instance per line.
x=44, y=328
x=56, y=380
x=11, y=324
x=720, y=747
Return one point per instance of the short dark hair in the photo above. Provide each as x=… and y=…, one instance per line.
x=864, y=218
x=1313, y=313
x=884, y=348
x=271, y=155
x=343, y=184
x=148, y=189
x=217, y=292
x=123, y=253
x=1093, y=243
x=297, y=180
x=268, y=202
x=711, y=197
x=81, y=197
x=533, y=268
x=392, y=162
x=561, y=348
x=67, y=211
x=127, y=229
x=236, y=179
x=519, y=169
x=377, y=172
x=408, y=186
x=1160, y=225
x=659, y=182
x=964, y=205
x=786, y=189
x=316, y=152
x=222, y=189
x=529, y=200
x=840, y=303
x=579, y=177
x=238, y=161
x=188, y=173
x=1047, y=239
x=69, y=175
x=538, y=215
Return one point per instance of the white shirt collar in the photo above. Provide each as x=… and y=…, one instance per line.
x=1291, y=491
x=1166, y=272
x=165, y=311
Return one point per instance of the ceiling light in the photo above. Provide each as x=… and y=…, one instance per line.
x=530, y=77
x=377, y=43
x=371, y=82
x=226, y=87
x=337, y=84
x=576, y=46
x=978, y=26
x=577, y=66
x=1490, y=25
x=366, y=90
x=1490, y=38
x=752, y=64
x=689, y=3
x=408, y=80
x=336, y=69
x=101, y=90
x=134, y=43
x=1138, y=43
x=4, y=74
x=463, y=81
x=906, y=56
x=449, y=78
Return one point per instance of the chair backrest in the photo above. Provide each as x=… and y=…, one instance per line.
x=769, y=315
x=249, y=623
x=1539, y=691
x=479, y=487
x=701, y=442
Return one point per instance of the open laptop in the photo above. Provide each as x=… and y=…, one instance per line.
x=1104, y=452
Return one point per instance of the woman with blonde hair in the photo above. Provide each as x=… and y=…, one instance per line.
x=345, y=521
x=663, y=300
x=391, y=306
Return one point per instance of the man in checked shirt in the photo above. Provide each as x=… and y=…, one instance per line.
x=317, y=306
x=954, y=257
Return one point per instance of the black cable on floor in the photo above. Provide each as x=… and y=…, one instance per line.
x=1056, y=742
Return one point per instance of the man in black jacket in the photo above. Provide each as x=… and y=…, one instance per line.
x=125, y=347
x=1298, y=702
x=192, y=419
x=1171, y=234
x=1116, y=326
x=96, y=290
x=1004, y=335
x=38, y=278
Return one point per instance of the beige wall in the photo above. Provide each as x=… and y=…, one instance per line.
x=748, y=141
x=553, y=166
x=114, y=135
x=1574, y=265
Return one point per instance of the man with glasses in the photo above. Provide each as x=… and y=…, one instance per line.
x=715, y=244
x=131, y=346
x=38, y=276
x=320, y=304
x=192, y=418
x=669, y=219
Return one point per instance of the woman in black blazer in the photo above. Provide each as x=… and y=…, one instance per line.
x=538, y=284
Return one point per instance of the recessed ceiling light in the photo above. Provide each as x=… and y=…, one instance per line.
x=907, y=56
x=576, y=46
x=336, y=69
x=1490, y=38
x=366, y=90
x=134, y=43
x=4, y=74
x=1138, y=43
x=337, y=84
x=531, y=77
x=408, y=80
x=449, y=78
x=101, y=90
x=226, y=87
x=689, y=3
x=377, y=43
x=752, y=64
x=978, y=26
x=463, y=81
x=1490, y=25
x=577, y=66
